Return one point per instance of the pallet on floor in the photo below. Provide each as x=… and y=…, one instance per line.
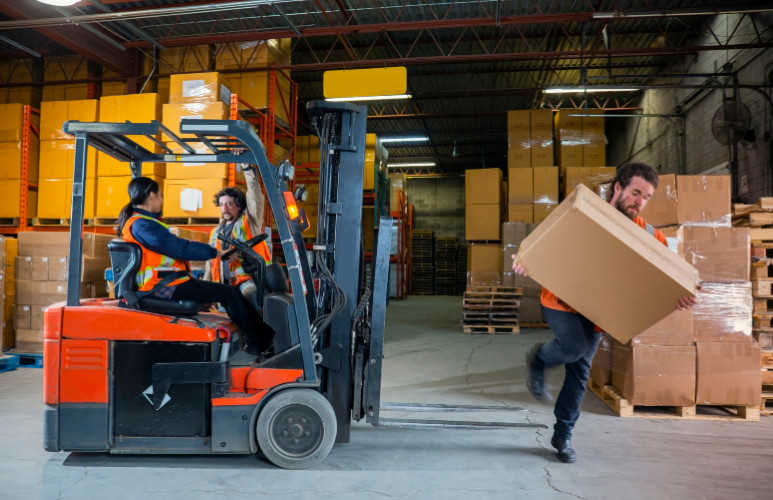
x=8, y=362
x=623, y=408
x=490, y=329
x=532, y=324
x=766, y=406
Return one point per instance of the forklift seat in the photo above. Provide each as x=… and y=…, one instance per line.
x=125, y=259
x=275, y=278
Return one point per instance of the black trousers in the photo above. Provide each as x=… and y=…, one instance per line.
x=259, y=335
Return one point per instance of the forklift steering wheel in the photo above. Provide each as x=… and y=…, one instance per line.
x=250, y=243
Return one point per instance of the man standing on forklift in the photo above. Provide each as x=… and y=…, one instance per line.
x=164, y=270
x=241, y=219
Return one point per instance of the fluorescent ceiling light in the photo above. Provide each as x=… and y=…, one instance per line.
x=569, y=90
x=418, y=164
x=60, y=3
x=369, y=98
x=404, y=139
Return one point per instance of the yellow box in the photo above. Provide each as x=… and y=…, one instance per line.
x=482, y=186
x=57, y=160
x=198, y=87
x=594, y=155
x=173, y=113
x=11, y=124
x=53, y=115
x=483, y=222
x=520, y=212
x=365, y=82
x=107, y=166
x=569, y=156
x=196, y=193
x=11, y=159
x=542, y=210
x=113, y=194
x=520, y=185
x=546, y=185
x=10, y=200
x=55, y=198
x=369, y=177
x=518, y=123
x=541, y=121
x=136, y=108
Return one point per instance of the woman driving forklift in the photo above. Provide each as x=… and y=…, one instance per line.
x=164, y=270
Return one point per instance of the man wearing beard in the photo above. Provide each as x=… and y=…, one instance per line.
x=576, y=337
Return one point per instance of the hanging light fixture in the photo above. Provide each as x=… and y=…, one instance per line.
x=59, y=3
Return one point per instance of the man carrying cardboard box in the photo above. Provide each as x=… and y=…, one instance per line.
x=576, y=337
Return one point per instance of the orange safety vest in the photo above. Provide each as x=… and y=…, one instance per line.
x=153, y=263
x=240, y=231
x=551, y=301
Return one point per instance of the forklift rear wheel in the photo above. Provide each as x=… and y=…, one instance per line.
x=296, y=429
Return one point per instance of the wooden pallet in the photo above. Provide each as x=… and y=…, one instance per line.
x=106, y=221
x=762, y=289
x=623, y=408
x=762, y=322
x=491, y=329
x=766, y=405
x=764, y=337
x=533, y=325
x=767, y=359
x=762, y=307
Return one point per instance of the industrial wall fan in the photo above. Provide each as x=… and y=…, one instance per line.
x=732, y=123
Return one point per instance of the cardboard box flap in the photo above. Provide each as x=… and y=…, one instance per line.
x=609, y=269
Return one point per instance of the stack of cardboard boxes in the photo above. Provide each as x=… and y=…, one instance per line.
x=532, y=178
x=513, y=233
x=113, y=176
x=705, y=355
x=484, y=197
x=9, y=248
x=581, y=148
x=190, y=187
x=57, y=155
x=12, y=156
x=41, y=279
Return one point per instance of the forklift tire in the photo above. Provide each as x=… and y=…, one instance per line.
x=296, y=428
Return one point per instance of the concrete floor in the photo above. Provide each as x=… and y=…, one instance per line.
x=427, y=359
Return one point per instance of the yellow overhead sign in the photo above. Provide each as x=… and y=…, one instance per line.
x=365, y=82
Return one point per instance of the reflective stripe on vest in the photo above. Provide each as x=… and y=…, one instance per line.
x=650, y=229
x=153, y=263
x=241, y=231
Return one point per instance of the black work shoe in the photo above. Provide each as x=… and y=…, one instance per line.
x=535, y=377
x=564, y=451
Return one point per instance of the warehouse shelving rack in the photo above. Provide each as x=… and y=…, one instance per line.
x=403, y=217
x=28, y=128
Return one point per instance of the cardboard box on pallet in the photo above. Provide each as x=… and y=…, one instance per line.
x=718, y=253
x=192, y=197
x=483, y=222
x=10, y=200
x=34, y=243
x=520, y=185
x=482, y=186
x=55, y=268
x=601, y=368
x=654, y=375
x=728, y=373
x=485, y=266
x=675, y=329
x=690, y=200
x=198, y=87
x=608, y=252
x=723, y=312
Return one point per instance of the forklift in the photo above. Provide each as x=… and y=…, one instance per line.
x=145, y=375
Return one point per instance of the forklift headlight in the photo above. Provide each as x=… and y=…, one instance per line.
x=286, y=171
x=300, y=193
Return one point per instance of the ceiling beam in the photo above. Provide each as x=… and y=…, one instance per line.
x=71, y=37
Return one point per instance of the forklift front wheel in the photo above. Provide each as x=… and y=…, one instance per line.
x=296, y=428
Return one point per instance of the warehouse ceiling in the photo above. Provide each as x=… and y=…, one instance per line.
x=468, y=61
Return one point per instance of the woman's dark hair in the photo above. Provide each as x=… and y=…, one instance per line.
x=139, y=190
x=628, y=171
x=239, y=198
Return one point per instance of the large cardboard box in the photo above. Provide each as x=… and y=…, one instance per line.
x=136, y=108
x=482, y=186
x=10, y=200
x=728, y=373
x=520, y=212
x=11, y=124
x=655, y=375
x=718, y=253
x=542, y=210
x=57, y=158
x=483, y=222
x=192, y=198
x=690, y=200
x=53, y=114
x=485, y=264
x=546, y=185
x=590, y=176
x=542, y=138
x=55, y=198
x=113, y=193
x=601, y=368
x=723, y=312
x=520, y=182
x=11, y=159
x=608, y=253
x=198, y=87
x=675, y=329
x=195, y=169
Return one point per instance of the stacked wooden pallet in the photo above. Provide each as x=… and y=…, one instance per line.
x=445, y=265
x=759, y=218
x=491, y=309
x=461, y=266
x=423, y=262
